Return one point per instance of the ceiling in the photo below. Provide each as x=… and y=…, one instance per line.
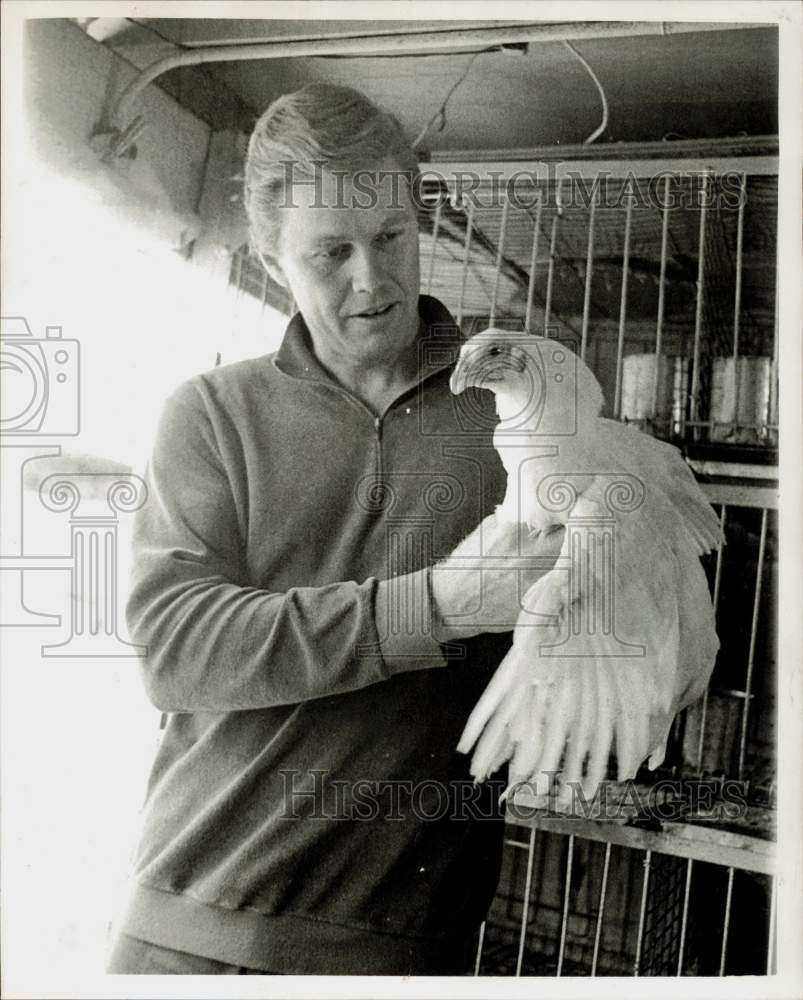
x=705, y=84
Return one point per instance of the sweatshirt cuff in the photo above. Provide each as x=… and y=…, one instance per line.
x=404, y=623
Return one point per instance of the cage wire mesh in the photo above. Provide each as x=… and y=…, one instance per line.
x=665, y=283
x=667, y=287
x=670, y=298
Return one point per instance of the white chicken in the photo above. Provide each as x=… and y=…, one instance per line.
x=620, y=635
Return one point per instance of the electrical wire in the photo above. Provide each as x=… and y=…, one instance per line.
x=604, y=123
x=441, y=112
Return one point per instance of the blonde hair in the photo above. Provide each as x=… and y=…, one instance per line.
x=320, y=126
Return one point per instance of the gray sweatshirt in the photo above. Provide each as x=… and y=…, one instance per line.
x=307, y=811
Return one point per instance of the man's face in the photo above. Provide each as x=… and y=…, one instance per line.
x=350, y=257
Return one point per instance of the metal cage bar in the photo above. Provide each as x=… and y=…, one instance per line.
x=726, y=922
x=601, y=909
x=436, y=225
x=566, y=895
x=715, y=600
x=533, y=262
x=646, y=863
x=592, y=216
x=737, y=295
x=480, y=944
x=659, y=321
x=499, y=257
x=773, y=929
x=526, y=905
x=694, y=401
x=550, y=275
x=466, y=251
x=620, y=343
x=772, y=403
x=684, y=920
x=762, y=544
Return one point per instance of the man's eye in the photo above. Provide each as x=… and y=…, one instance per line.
x=389, y=236
x=494, y=352
x=327, y=254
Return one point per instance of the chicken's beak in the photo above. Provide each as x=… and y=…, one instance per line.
x=465, y=371
x=459, y=379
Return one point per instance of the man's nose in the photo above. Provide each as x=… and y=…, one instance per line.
x=367, y=273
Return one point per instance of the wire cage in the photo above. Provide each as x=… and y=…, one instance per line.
x=662, y=272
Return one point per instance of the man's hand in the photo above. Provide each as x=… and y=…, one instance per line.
x=480, y=586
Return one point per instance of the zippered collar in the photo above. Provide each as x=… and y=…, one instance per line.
x=439, y=341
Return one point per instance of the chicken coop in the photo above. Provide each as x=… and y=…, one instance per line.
x=613, y=185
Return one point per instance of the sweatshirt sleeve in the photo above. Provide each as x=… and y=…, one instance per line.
x=214, y=643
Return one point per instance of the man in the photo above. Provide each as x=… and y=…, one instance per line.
x=307, y=812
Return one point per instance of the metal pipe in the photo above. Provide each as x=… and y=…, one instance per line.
x=642, y=910
x=698, y=308
x=726, y=923
x=394, y=43
x=509, y=842
x=753, y=633
x=753, y=497
x=620, y=344
x=533, y=262
x=601, y=909
x=589, y=274
x=526, y=905
x=453, y=166
x=565, y=917
x=499, y=253
x=659, y=324
x=466, y=249
x=409, y=28
x=435, y=229
x=725, y=151
x=713, y=423
x=685, y=917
